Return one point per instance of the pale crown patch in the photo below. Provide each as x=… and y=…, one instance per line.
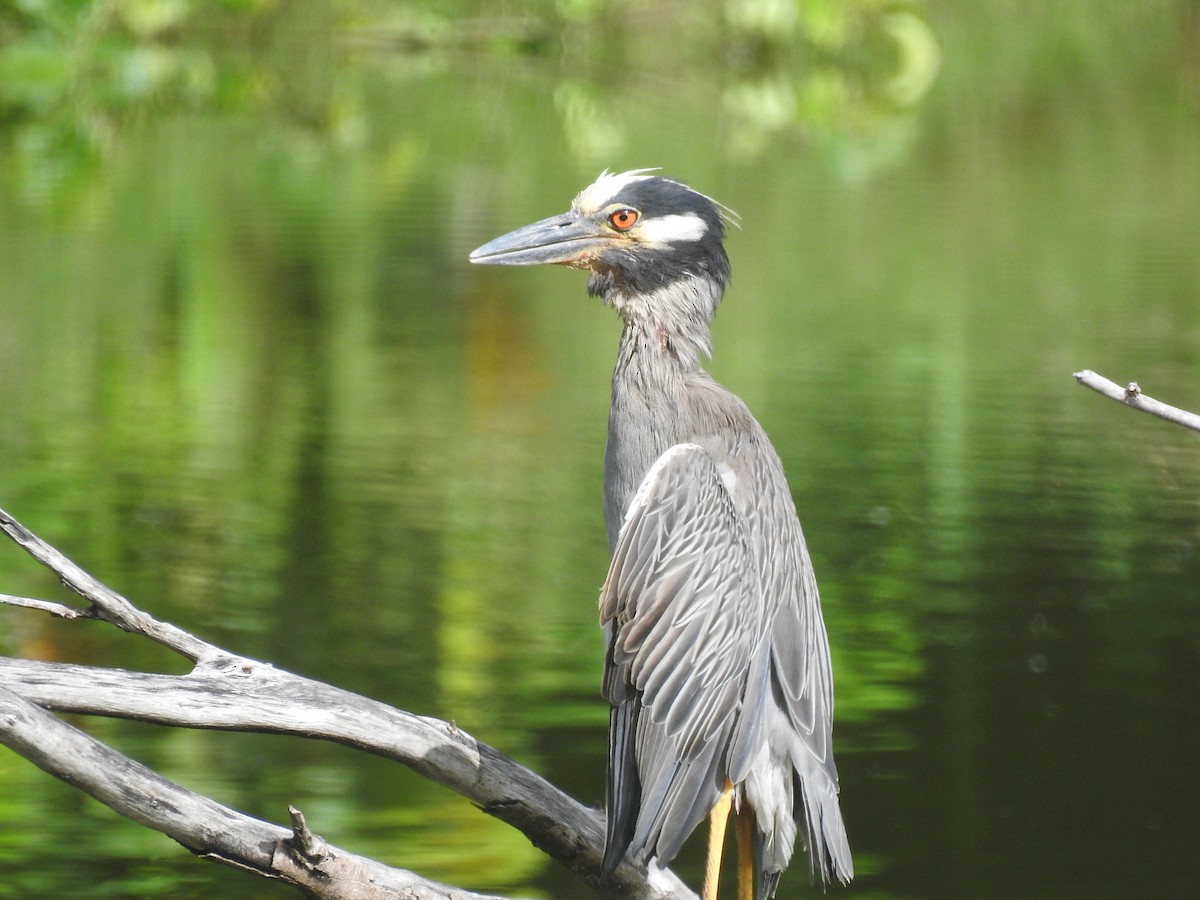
x=593, y=197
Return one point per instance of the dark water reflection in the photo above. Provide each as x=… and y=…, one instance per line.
x=248, y=378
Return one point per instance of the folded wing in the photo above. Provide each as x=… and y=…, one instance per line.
x=684, y=616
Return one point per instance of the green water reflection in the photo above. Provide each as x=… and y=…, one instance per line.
x=248, y=378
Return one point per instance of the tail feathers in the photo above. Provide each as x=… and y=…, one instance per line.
x=768, y=883
x=623, y=796
x=800, y=801
x=824, y=831
x=825, y=841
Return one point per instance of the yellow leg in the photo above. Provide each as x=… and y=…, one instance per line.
x=745, y=846
x=717, y=819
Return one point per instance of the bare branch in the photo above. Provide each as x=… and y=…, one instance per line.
x=202, y=825
x=243, y=695
x=55, y=609
x=107, y=603
x=1131, y=395
x=230, y=692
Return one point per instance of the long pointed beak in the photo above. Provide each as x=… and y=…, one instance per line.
x=567, y=239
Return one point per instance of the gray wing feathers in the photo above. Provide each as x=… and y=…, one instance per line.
x=686, y=612
x=800, y=765
x=718, y=664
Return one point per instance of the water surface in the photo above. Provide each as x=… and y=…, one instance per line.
x=248, y=378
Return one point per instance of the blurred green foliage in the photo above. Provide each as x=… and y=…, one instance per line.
x=73, y=73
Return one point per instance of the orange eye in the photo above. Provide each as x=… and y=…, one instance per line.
x=623, y=219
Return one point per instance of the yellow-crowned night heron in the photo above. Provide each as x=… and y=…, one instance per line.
x=717, y=663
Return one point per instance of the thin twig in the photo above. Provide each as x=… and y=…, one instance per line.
x=1131, y=395
x=107, y=604
x=61, y=610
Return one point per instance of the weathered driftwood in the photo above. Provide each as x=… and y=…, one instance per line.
x=202, y=825
x=231, y=692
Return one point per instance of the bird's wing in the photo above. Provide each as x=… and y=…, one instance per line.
x=802, y=679
x=684, y=614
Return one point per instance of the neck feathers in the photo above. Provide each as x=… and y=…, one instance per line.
x=675, y=317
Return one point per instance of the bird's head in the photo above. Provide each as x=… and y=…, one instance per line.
x=639, y=234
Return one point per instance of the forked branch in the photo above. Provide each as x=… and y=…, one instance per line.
x=231, y=692
x=204, y=826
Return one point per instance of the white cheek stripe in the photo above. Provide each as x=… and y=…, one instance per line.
x=672, y=229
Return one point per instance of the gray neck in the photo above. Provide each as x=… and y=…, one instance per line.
x=666, y=335
x=677, y=316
